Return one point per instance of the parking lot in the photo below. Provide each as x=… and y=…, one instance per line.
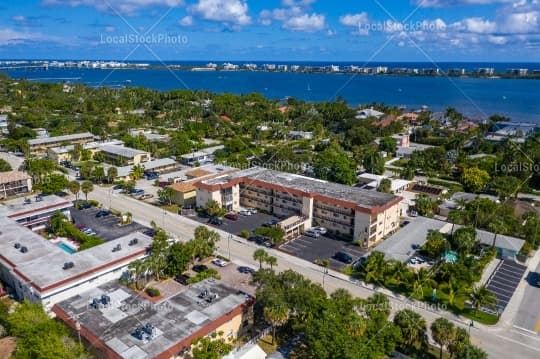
x=312, y=249
x=504, y=281
x=244, y=222
x=107, y=228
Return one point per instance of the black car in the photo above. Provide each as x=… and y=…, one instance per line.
x=343, y=257
x=84, y=205
x=199, y=268
x=263, y=241
x=215, y=221
x=102, y=213
x=118, y=186
x=253, y=238
x=149, y=232
x=183, y=279
x=246, y=270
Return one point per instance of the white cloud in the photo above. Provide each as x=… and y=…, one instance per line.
x=447, y=3
x=521, y=22
x=306, y=23
x=297, y=3
x=497, y=40
x=19, y=18
x=354, y=20
x=126, y=7
x=233, y=12
x=13, y=37
x=186, y=21
x=475, y=25
x=110, y=29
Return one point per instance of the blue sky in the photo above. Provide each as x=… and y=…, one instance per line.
x=339, y=30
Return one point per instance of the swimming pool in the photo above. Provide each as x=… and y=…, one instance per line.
x=450, y=257
x=66, y=248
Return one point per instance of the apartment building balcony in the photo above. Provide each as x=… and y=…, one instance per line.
x=333, y=219
x=257, y=199
x=340, y=210
x=255, y=189
x=287, y=197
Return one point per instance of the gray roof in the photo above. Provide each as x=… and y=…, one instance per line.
x=42, y=263
x=127, y=152
x=16, y=208
x=360, y=197
x=174, y=319
x=149, y=165
x=75, y=136
x=89, y=145
x=505, y=242
x=399, y=245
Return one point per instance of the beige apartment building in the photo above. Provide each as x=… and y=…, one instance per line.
x=39, y=146
x=124, y=156
x=302, y=202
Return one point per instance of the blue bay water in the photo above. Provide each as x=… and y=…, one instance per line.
x=517, y=98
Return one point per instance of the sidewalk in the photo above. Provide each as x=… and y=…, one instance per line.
x=490, y=268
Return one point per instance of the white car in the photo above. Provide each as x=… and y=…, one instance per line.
x=252, y=210
x=220, y=262
x=244, y=212
x=321, y=230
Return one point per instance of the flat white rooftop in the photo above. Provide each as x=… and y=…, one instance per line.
x=42, y=263
x=72, y=137
x=17, y=207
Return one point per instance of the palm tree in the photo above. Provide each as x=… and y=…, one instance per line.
x=98, y=173
x=443, y=333
x=276, y=314
x=423, y=278
x=413, y=329
x=112, y=173
x=496, y=226
x=87, y=187
x=136, y=172
x=453, y=217
x=374, y=267
x=271, y=261
x=482, y=297
x=136, y=268
x=75, y=188
x=460, y=340
x=260, y=255
x=129, y=217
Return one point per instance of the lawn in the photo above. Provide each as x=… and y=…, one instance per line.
x=173, y=208
x=266, y=344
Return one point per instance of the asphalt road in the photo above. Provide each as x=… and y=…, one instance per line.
x=502, y=341
x=528, y=315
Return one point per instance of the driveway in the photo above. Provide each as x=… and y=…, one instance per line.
x=311, y=249
x=249, y=223
x=528, y=316
x=107, y=228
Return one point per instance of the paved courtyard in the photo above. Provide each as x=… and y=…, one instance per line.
x=312, y=249
x=107, y=228
x=244, y=222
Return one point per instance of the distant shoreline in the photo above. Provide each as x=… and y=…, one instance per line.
x=483, y=73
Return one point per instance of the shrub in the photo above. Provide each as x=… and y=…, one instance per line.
x=209, y=273
x=244, y=233
x=153, y=292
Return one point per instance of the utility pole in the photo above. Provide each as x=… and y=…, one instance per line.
x=229, y=245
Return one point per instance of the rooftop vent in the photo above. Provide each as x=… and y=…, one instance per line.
x=145, y=332
x=105, y=299
x=17, y=245
x=68, y=265
x=133, y=242
x=39, y=199
x=117, y=248
x=27, y=201
x=24, y=249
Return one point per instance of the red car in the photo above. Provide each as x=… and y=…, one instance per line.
x=232, y=216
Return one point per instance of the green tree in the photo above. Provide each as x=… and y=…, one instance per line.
x=385, y=186
x=211, y=347
x=166, y=194
x=178, y=258
x=464, y=240
x=460, y=340
x=374, y=163
x=214, y=209
x=497, y=226
x=136, y=172
x=482, y=297
x=471, y=352
x=271, y=261
x=506, y=186
x=334, y=165
x=85, y=170
x=53, y=183
x=474, y=179
x=112, y=173
x=388, y=144
x=129, y=186
x=425, y=206
x=276, y=314
x=374, y=268
x=443, y=333
x=57, y=221
x=435, y=245
x=4, y=166
x=260, y=255
x=413, y=330
x=87, y=187
x=98, y=173
x=75, y=188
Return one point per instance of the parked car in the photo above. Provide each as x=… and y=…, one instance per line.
x=320, y=230
x=271, y=223
x=149, y=232
x=244, y=212
x=199, y=268
x=146, y=196
x=215, y=221
x=137, y=192
x=183, y=279
x=254, y=238
x=413, y=213
x=264, y=241
x=84, y=205
x=415, y=246
x=538, y=280
x=232, y=216
x=312, y=233
x=118, y=186
x=220, y=262
x=102, y=213
x=252, y=210
x=246, y=270
x=343, y=257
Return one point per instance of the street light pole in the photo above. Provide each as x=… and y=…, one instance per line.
x=78, y=328
x=325, y=272
x=229, y=245
x=163, y=219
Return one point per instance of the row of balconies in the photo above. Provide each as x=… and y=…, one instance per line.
x=341, y=210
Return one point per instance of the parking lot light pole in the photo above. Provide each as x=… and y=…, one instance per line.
x=163, y=219
x=229, y=245
x=471, y=324
x=110, y=199
x=325, y=272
